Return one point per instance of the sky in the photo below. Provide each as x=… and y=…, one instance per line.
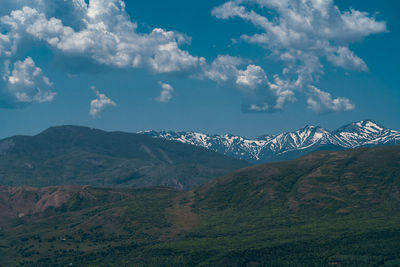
x=246, y=67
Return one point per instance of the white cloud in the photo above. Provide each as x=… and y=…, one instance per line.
x=252, y=82
x=262, y=108
x=302, y=34
x=107, y=36
x=223, y=69
x=283, y=91
x=251, y=78
x=97, y=33
x=25, y=83
x=166, y=93
x=309, y=27
x=322, y=102
x=343, y=57
x=100, y=103
x=5, y=43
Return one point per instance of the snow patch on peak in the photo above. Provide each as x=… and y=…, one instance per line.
x=365, y=126
x=268, y=148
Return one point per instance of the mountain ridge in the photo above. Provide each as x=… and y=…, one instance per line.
x=287, y=145
x=80, y=155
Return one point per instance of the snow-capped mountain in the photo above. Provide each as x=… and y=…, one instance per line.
x=268, y=148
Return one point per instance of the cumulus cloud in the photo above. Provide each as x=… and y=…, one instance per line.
x=24, y=83
x=166, y=93
x=252, y=77
x=258, y=92
x=223, y=69
x=322, y=102
x=100, y=103
x=283, y=91
x=95, y=33
x=307, y=25
x=105, y=35
x=5, y=46
x=302, y=34
x=343, y=57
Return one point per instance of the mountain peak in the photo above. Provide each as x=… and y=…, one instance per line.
x=313, y=128
x=289, y=145
x=363, y=126
x=68, y=129
x=368, y=123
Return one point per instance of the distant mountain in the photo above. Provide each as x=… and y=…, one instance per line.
x=79, y=155
x=329, y=208
x=285, y=146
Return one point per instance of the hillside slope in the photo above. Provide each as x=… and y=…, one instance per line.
x=338, y=208
x=334, y=181
x=79, y=155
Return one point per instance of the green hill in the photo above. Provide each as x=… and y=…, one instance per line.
x=339, y=208
x=79, y=155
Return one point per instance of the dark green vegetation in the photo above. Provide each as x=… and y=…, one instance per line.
x=337, y=208
x=79, y=155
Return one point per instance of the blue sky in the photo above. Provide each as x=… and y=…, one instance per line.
x=245, y=67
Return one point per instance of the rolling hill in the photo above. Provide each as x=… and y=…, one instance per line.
x=78, y=155
x=338, y=208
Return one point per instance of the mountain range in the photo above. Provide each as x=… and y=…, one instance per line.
x=289, y=145
x=78, y=155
